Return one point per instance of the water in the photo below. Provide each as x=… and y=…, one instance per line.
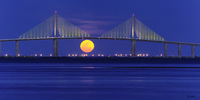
x=98, y=82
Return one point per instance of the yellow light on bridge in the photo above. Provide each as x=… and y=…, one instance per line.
x=115, y=54
x=92, y=54
x=40, y=55
x=6, y=55
x=69, y=55
x=147, y=55
x=82, y=55
x=35, y=54
x=161, y=55
x=99, y=54
x=18, y=55
x=50, y=54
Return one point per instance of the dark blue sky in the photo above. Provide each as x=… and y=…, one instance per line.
x=175, y=20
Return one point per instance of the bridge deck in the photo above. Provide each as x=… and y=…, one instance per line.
x=51, y=38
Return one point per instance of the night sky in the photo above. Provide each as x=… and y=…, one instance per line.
x=175, y=20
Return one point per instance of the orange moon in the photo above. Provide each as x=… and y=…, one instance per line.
x=87, y=46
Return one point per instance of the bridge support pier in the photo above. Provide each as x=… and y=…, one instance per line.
x=0, y=48
x=133, y=48
x=17, y=48
x=193, y=55
x=179, y=50
x=55, y=47
x=165, y=49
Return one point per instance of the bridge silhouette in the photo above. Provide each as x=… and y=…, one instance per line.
x=56, y=27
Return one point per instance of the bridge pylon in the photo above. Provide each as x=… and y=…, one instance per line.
x=55, y=41
x=133, y=42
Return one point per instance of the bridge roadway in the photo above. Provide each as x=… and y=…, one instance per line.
x=134, y=44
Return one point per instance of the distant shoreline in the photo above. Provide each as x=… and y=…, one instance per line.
x=116, y=60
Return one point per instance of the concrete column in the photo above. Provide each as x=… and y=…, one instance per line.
x=17, y=47
x=193, y=54
x=179, y=50
x=0, y=48
x=165, y=49
x=133, y=48
x=55, y=24
x=133, y=27
x=55, y=47
x=133, y=42
x=55, y=41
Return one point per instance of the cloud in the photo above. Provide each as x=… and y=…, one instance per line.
x=92, y=26
x=92, y=29
x=88, y=21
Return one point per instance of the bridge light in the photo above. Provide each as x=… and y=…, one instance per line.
x=18, y=55
x=115, y=54
x=35, y=54
x=75, y=54
x=147, y=55
x=140, y=54
x=72, y=54
x=50, y=54
x=130, y=54
x=92, y=54
x=143, y=55
x=125, y=54
x=161, y=55
x=69, y=55
x=99, y=54
x=102, y=55
x=40, y=55
x=6, y=55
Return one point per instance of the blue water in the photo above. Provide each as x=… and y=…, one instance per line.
x=99, y=82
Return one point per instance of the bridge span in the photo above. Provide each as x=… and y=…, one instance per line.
x=133, y=45
x=133, y=30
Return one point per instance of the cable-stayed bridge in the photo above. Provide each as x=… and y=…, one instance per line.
x=65, y=29
x=56, y=27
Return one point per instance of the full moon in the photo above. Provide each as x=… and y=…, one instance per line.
x=87, y=46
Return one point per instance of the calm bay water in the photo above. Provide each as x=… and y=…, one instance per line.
x=99, y=82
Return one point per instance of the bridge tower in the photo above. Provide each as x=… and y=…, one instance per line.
x=133, y=42
x=55, y=41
